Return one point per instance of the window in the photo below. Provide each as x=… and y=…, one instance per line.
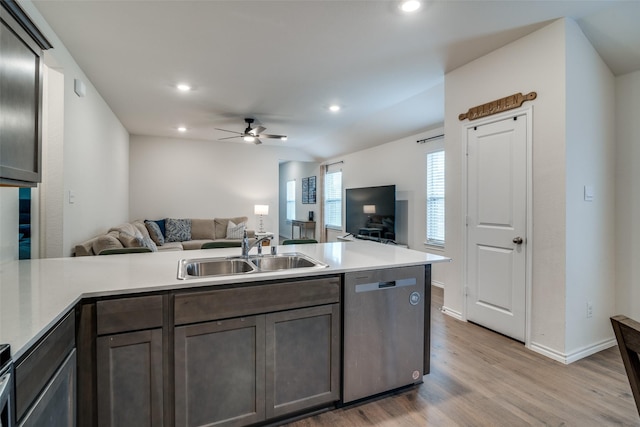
x=291, y=200
x=435, y=197
x=333, y=199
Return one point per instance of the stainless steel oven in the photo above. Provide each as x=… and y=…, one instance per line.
x=6, y=387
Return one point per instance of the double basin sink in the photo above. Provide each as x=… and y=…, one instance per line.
x=221, y=266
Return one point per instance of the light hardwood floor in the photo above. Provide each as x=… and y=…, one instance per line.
x=480, y=378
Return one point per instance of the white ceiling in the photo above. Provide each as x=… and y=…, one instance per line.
x=284, y=62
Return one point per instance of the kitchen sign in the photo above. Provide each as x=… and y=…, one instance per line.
x=497, y=106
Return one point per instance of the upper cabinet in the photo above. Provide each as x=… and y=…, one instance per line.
x=21, y=47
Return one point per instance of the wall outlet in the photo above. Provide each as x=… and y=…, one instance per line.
x=589, y=309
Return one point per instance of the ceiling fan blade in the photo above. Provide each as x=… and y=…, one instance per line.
x=257, y=141
x=257, y=130
x=264, y=135
x=232, y=131
x=230, y=137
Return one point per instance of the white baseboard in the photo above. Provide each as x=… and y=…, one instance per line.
x=581, y=353
x=452, y=313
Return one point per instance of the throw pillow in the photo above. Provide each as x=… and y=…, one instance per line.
x=177, y=230
x=154, y=232
x=235, y=231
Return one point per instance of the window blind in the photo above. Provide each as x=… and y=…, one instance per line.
x=435, y=198
x=333, y=199
x=291, y=200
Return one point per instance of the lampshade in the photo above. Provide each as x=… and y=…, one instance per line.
x=261, y=209
x=369, y=209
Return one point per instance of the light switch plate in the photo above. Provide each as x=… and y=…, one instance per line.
x=588, y=193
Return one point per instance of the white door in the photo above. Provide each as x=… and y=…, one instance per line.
x=496, y=225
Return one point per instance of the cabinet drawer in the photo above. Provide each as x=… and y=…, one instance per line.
x=129, y=314
x=226, y=303
x=34, y=372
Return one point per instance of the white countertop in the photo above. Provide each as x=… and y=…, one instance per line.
x=37, y=293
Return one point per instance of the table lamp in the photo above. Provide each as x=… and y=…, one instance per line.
x=261, y=210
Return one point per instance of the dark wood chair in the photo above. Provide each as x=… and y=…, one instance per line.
x=298, y=241
x=223, y=244
x=628, y=335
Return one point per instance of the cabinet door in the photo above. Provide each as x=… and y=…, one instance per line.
x=303, y=359
x=129, y=378
x=219, y=373
x=55, y=407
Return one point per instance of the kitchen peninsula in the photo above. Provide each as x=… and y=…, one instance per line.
x=105, y=319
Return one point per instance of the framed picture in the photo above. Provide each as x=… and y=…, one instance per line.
x=309, y=190
x=305, y=191
x=312, y=190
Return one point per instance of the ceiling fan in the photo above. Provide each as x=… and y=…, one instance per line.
x=252, y=134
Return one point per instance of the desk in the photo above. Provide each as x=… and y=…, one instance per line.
x=303, y=225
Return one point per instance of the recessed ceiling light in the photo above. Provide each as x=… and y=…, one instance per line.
x=334, y=108
x=283, y=138
x=183, y=87
x=182, y=129
x=410, y=5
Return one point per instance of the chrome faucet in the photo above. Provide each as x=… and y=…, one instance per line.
x=246, y=247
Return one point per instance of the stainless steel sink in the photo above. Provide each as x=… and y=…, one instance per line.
x=207, y=267
x=204, y=267
x=285, y=262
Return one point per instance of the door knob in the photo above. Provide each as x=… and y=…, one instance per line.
x=518, y=240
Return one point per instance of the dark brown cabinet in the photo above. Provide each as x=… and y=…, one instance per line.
x=302, y=359
x=253, y=367
x=130, y=379
x=220, y=373
x=46, y=380
x=21, y=47
x=129, y=364
x=224, y=356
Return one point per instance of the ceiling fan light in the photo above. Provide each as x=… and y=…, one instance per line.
x=410, y=5
x=249, y=138
x=283, y=138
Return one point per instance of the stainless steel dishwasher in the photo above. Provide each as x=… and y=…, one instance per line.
x=383, y=330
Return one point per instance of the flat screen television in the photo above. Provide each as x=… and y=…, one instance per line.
x=370, y=212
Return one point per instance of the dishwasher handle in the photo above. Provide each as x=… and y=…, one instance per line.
x=391, y=284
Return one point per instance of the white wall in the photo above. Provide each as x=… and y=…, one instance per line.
x=96, y=147
x=590, y=229
x=296, y=171
x=9, y=210
x=533, y=63
x=400, y=163
x=563, y=131
x=627, y=218
x=179, y=178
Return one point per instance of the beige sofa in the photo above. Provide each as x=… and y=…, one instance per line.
x=178, y=235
